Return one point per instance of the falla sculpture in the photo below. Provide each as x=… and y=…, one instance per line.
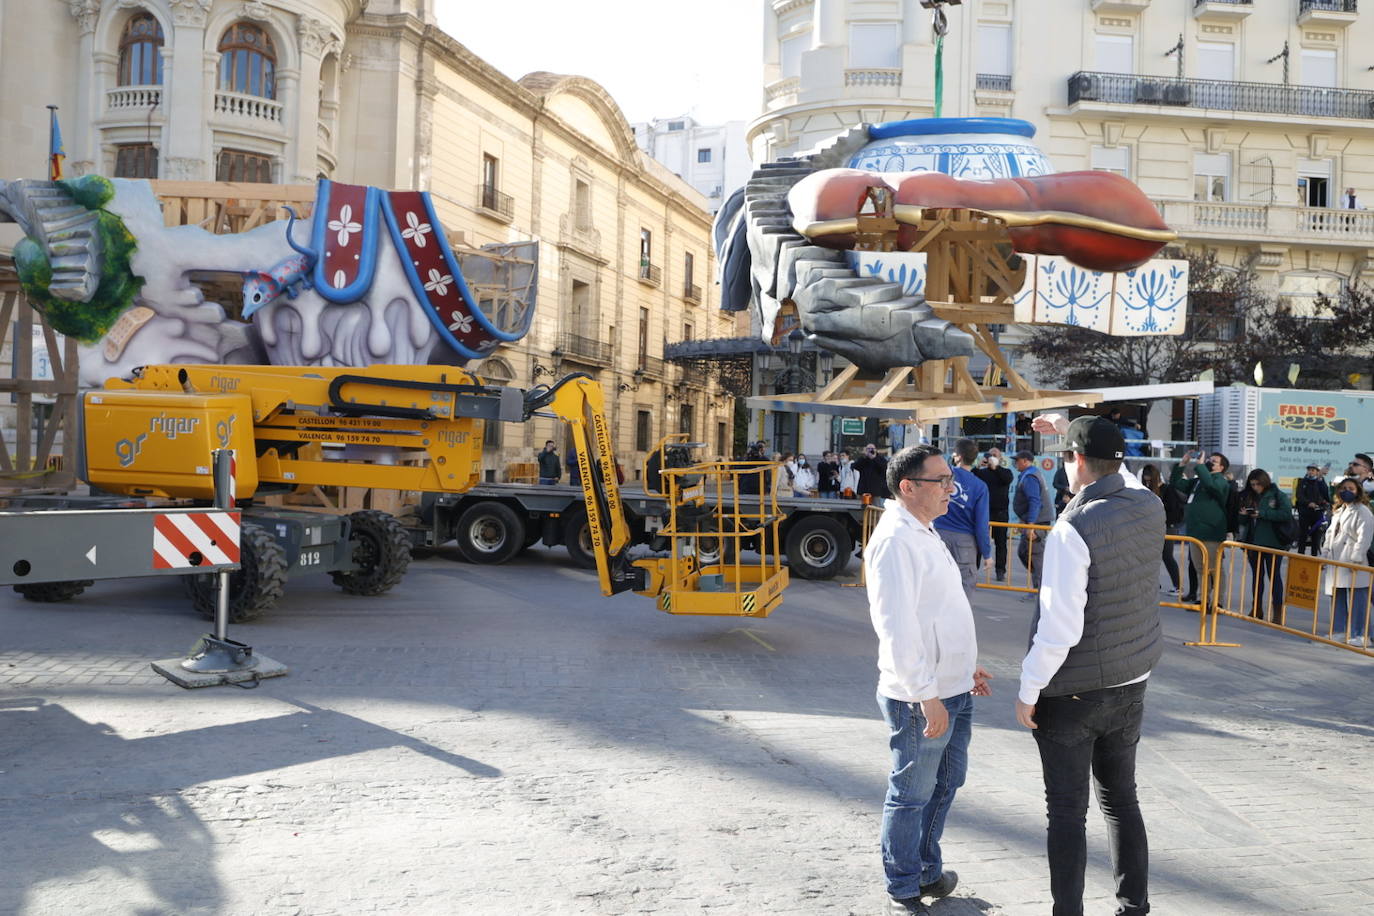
x=896, y=245
x=370, y=278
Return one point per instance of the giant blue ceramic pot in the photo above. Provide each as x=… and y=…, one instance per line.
x=976, y=148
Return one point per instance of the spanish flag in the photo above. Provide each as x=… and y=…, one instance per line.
x=55, y=151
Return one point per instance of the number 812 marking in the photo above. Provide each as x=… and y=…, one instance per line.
x=309, y=558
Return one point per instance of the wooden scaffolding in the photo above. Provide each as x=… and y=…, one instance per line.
x=972, y=278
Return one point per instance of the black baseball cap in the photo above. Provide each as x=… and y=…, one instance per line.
x=1096, y=437
x=1023, y=455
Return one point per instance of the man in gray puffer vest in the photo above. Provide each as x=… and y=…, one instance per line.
x=1095, y=638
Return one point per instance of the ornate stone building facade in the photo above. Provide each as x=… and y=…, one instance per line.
x=373, y=92
x=1245, y=121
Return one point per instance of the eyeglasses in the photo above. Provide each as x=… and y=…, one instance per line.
x=946, y=482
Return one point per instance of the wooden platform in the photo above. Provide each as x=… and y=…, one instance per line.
x=934, y=391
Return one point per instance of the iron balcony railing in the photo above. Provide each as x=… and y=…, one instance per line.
x=651, y=366
x=691, y=293
x=996, y=82
x=1330, y=6
x=490, y=199
x=650, y=273
x=1220, y=95
x=578, y=347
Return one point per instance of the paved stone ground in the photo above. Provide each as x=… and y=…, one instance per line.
x=503, y=740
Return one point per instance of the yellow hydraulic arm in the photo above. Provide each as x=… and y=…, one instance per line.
x=578, y=400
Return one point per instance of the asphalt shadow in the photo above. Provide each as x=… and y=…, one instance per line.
x=127, y=814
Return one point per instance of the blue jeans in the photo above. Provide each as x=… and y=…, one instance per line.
x=926, y=772
x=1091, y=737
x=1352, y=602
x=829, y=494
x=549, y=481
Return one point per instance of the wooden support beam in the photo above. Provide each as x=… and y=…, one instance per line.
x=837, y=384
x=894, y=380
x=963, y=381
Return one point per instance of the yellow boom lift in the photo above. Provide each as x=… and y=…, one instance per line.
x=404, y=428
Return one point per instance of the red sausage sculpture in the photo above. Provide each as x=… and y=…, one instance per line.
x=1097, y=220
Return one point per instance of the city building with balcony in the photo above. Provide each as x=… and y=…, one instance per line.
x=713, y=158
x=375, y=92
x=1246, y=122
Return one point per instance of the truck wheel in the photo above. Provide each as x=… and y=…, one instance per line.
x=489, y=532
x=577, y=537
x=49, y=592
x=254, y=588
x=381, y=551
x=818, y=547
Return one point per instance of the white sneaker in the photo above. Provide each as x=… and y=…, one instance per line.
x=1357, y=641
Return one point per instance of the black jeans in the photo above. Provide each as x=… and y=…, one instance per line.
x=1310, y=531
x=1170, y=561
x=999, y=543
x=1261, y=565
x=1093, y=733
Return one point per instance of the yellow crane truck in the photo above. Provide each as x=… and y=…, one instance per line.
x=404, y=428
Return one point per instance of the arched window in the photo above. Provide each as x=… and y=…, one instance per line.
x=248, y=62
x=140, y=52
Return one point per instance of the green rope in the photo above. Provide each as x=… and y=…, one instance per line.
x=939, y=74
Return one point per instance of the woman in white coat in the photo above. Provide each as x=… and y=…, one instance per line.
x=804, y=481
x=1348, y=540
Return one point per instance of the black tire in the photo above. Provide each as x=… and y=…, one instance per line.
x=254, y=588
x=381, y=551
x=489, y=532
x=577, y=537
x=818, y=547
x=51, y=592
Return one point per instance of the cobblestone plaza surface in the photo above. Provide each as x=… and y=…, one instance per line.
x=504, y=740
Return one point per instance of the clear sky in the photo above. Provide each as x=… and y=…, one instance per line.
x=657, y=58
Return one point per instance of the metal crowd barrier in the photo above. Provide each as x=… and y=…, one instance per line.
x=1299, y=609
x=871, y=515
x=1018, y=530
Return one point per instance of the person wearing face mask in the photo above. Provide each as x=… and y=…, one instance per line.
x=872, y=469
x=804, y=478
x=1347, y=541
x=1266, y=521
x=996, y=476
x=1206, y=516
x=1313, y=500
x=849, y=478
x=1362, y=469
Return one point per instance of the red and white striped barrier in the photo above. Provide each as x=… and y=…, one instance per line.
x=184, y=540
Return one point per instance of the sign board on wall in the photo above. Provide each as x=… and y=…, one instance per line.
x=1295, y=428
x=851, y=426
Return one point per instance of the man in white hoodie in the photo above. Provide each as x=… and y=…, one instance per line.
x=927, y=673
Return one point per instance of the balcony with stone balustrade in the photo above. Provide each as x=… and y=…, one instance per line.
x=1251, y=222
x=241, y=108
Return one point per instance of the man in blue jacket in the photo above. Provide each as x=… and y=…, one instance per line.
x=964, y=528
x=1032, y=506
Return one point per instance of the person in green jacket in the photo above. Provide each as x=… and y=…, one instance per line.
x=1266, y=520
x=1207, y=490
